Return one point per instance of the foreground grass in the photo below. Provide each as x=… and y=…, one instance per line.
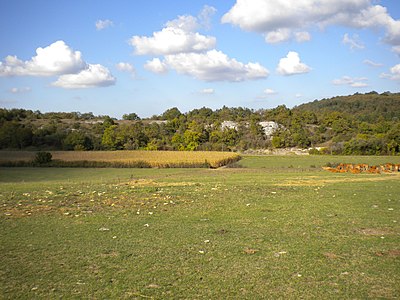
x=272, y=230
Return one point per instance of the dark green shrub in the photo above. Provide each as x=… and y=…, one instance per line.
x=43, y=158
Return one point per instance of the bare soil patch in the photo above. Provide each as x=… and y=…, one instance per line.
x=389, y=253
x=316, y=181
x=375, y=231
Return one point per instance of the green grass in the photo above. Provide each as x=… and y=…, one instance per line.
x=313, y=161
x=275, y=228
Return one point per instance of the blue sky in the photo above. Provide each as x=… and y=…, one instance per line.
x=116, y=57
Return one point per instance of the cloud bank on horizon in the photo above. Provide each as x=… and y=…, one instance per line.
x=194, y=47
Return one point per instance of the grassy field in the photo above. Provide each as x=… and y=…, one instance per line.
x=158, y=159
x=274, y=227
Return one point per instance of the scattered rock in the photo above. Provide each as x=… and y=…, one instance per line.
x=330, y=255
x=250, y=251
x=280, y=253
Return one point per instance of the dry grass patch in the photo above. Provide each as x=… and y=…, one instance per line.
x=375, y=231
x=150, y=182
x=389, y=253
x=317, y=181
x=154, y=159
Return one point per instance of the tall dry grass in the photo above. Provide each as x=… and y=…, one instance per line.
x=154, y=159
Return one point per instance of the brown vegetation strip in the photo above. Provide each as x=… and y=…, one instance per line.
x=364, y=168
x=313, y=181
x=137, y=158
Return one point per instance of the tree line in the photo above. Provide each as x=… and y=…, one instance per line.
x=364, y=124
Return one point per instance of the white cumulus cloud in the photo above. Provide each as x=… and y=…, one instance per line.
x=125, y=67
x=354, y=42
x=269, y=92
x=178, y=36
x=156, y=66
x=372, y=63
x=215, y=66
x=93, y=76
x=273, y=18
x=266, y=93
x=291, y=65
x=396, y=49
x=188, y=52
x=205, y=15
x=20, y=90
x=353, y=82
x=277, y=36
x=103, y=24
x=56, y=59
x=302, y=36
x=207, y=91
x=394, y=73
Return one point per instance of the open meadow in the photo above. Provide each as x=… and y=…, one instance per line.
x=266, y=227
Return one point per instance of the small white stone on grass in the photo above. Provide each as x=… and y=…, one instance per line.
x=277, y=254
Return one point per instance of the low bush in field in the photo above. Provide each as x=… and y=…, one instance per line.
x=42, y=158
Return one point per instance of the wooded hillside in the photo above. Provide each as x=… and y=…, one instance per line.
x=357, y=124
x=365, y=107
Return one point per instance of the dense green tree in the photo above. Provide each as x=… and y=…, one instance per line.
x=107, y=122
x=131, y=117
x=15, y=135
x=109, y=140
x=171, y=114
x=77, y=140
x=178, y=142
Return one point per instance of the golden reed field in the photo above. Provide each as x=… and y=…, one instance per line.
x=160, y=159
